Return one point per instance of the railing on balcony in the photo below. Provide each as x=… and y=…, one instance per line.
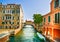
x=56, y=23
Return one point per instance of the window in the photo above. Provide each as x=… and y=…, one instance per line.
x=3, y=17
x=6, y=27
x=57, y=18
x=3, y=22
x=59, y=3
x=18, y=11
x=18, y=18
x=3, y=11
x=10, y=22
x=8, y=17
x=13, y=17
x=0, y=27
x=17, y=26
x=11, y=6
x=6, y=22
x=10, y=27
x=4, y=6
x=44, y=19
x=13, y=11
x=56, y=3
x=18, y=23
x=8, y=11
x=48, y=18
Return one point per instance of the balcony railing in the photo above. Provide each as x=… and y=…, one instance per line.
x=56, y=23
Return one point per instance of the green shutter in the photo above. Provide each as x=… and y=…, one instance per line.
x=48, y=18
x=59, y=3
x=58, y=17
x=55, y=18
x=56, y=3
x=44, y=19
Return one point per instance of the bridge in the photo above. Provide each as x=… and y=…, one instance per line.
x=32, y=23
x=29, y=23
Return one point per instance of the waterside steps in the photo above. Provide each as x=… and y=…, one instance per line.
x=4, y=37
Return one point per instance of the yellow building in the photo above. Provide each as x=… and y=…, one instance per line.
x=11, y=16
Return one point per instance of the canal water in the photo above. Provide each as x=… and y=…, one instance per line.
x=27, y=34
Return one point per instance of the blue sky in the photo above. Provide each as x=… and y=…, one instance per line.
x=31, y=7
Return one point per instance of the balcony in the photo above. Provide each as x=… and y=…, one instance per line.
x=8, y=14
x=56, y=25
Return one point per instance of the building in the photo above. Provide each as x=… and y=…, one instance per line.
x=11, y=16
x=51, y=21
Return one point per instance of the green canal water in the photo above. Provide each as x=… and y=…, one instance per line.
x=27, y=34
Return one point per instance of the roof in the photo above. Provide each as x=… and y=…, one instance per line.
x=47, y=14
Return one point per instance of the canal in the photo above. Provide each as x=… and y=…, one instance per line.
x=27, y=34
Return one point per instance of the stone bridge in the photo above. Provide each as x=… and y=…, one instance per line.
x=29, y=23
x=32, y=23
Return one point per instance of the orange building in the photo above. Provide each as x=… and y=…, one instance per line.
x=51, y=21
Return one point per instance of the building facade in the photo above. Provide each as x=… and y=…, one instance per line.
x=51, y=21
x=11, y=16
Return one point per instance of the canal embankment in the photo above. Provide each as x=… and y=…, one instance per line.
x=5, y=33
x=48, y=39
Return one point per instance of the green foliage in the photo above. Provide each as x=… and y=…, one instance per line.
x=37, y=18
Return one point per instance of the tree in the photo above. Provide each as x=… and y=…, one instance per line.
x=37, y=19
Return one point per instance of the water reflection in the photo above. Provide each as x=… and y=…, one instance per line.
x=12, y=39
x=27, y=34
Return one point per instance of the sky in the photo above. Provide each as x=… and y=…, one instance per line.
x=31, y=7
